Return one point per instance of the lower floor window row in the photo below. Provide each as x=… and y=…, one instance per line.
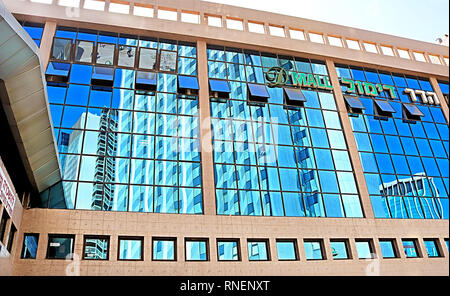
x=131, y=248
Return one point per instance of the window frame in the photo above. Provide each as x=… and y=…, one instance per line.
x=322, y=250
x=36, y=235
x=295, y=244
x=437, y=245
x=229, y=240
x=71, y=52
x=347, y=248
x=172, y=239
x=395, y=249
x=105, y=237
x=196, y=239
x=416, y=247
x=68, y=236
x=373, y=254
x=131, y=238
x=160, y=52
x=259, y=240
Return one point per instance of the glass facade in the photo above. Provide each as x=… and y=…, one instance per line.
x=128, y=135
x=387, y=249
x=276, y=159
x=405, y=159
x=34, y=30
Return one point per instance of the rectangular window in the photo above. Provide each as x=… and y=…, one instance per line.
x=403, y=53
x=316, y=37
x=168, y=61
x=197, y=249
x=314, y=250
x=387, y=50
x=410, y=248
x=214, y=21
x=335, y=41
x=297, y=34
x=254, y=27
x=276, y=31
x=84, y=51
x=432, y=247
x=60, y=246
x=105, y=53
x=143, y=10
x=167, y=14
x=364, y=249
x=419, y=56
x=131, y=248
x=228, y=250
x=12, y=234
x=190, y=17
x=287, y=250
x=388, y=248
x=147, y=58
x=339, y=249
x=164, y=249
x=119, y=7
x=61, y=49
x=258, y=250
x=94, y=4
x=235, y=24
x=3, y=225
x=353, y=44
x=30, y=246
x=96, y=247
x=370, y=47
x=127, y=55
x=435, y=59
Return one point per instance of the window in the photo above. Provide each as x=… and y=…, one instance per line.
x=96, y=247
x=214, y=21
x=419, y=56
x=61, y=49
x=403, y=53
x=364, y=249
x=168, y=61
x=297, y=34
x=228, y=250
x=339, y=249
x=388, y=248
x=94, y=4
x=30, y=246
x=143, y=10
x=3, y=225
x=387, y=50
x=197, y=250
x=435, y=59
x=12, y=234
x=314, y=250
x=167, y=14
x=84, y=51
x=131, y=248
x=432, y=247
x=119, y=7
x=353, y=44
x=235, y=24
x=335, y=41
x=127, y=56
x=105, y=54
x=410, y=248
x=60, y=246
x=164, y=249
x=287, y=250
x=370, y=47
x=276, y=31
x=256, y=27
x=258, y=250
x=190, y=17
x=147, y=58
x=316, y=37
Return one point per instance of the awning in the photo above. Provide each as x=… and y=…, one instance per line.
x=24, y=99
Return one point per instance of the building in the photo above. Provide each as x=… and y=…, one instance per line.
x=189, y=138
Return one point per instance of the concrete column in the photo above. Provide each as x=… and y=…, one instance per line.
x=47, y=42
x=351, y=142
x=437, y=90
x=209, y=195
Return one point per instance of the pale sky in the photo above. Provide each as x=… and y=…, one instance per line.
x=423, y=20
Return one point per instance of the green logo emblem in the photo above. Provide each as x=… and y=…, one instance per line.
x=276, y=77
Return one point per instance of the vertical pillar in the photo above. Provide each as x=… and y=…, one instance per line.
x=351, y=142
x=47, y=42
x=437, y=90
x=209, y=195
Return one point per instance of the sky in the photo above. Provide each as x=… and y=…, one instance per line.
x=423, y=20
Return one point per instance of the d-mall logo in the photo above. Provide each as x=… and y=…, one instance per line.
x=276, y=77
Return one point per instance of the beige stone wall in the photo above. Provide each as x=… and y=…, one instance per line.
x=114, y=224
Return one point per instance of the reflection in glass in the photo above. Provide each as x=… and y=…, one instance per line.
x=105, y=54
x=130, y=249
x=339, y=249
x=163, y=249
x=286, y=250
x=61, y=49
x=364, y=249
x=409, y=247
x=96, y=248
x=257, y=251
x=313, y=250
x=196, y=251
x=228, y=250
x=168, y=61
x=127, y=56
x=60, y=247
x=387, y=249
x=84, y=51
